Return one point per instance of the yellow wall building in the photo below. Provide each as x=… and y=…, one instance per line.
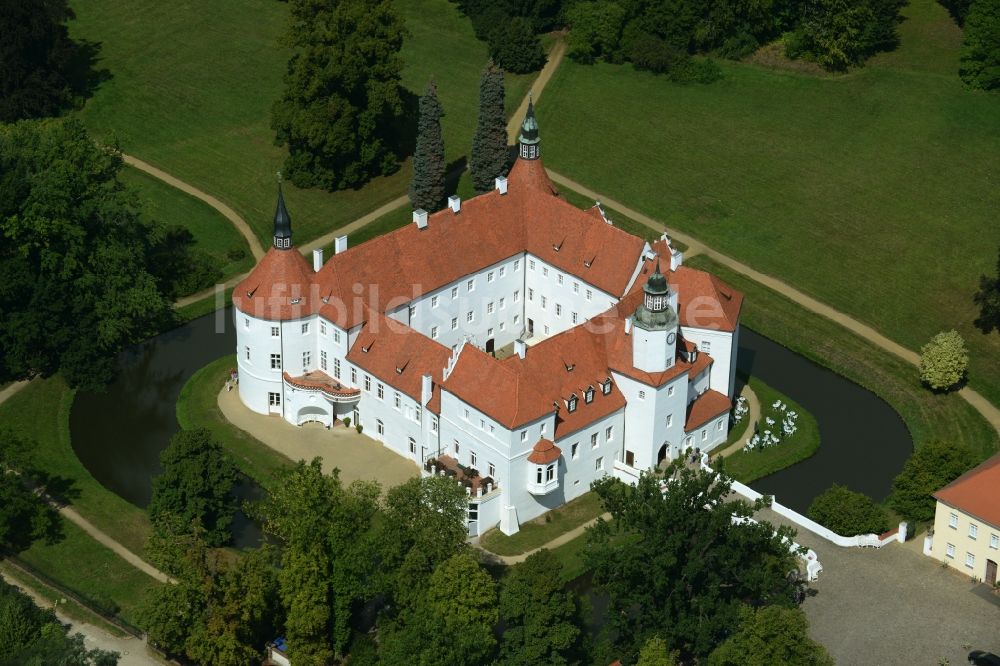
x=967, y=522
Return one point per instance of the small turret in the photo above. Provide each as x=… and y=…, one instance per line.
x=654, y=326
x=528, y=141
x=282, y=223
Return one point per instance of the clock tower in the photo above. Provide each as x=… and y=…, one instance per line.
x=654, y=326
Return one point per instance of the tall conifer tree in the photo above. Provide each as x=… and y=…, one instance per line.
x=489, y=145
x=980, y=62
x=427, y=186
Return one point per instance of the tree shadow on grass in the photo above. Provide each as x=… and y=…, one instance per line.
x=81, y=70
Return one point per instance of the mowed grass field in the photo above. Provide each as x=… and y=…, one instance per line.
x=192, y=85
x=876, y=192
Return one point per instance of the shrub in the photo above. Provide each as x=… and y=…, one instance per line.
x=359, y=428
x=515, y=47
x=596, y=30
x=847, y=512
x=840, y=33
x=943, y=361
x=980, y=62
x=931, y=467
x=347, y=421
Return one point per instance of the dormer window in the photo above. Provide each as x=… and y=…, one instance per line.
x=588, y=395
x=571, y=403
x=606, y=386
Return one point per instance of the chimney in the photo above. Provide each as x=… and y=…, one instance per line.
x=520, y=348
x=501, y=182
x=339, y=244
x=420, y=218
x=317, y=260
x=426, y=389
x=676, y=258
x=455, y=203
x=628, y=325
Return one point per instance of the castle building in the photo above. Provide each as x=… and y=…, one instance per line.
x=511, y=340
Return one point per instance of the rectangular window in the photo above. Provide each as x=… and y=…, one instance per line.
x=336, y=336
x=275, y=331
x=517, y=296
x=503, y=271
x=704, y=434
x=574, y=450
x=417, y=414
x=503, y=325
x=469, y=316
x=336, y=368
x=248, y=353
x=670, y=420
x=524, y=435
x=354, y=376
x=994, y=541
x=950, y=550
x=434, y=424
x=489, y=333
x=413, y=445
x=305, y=328
x=472, y=458
x=970, y=560
x=706, y=347
x=470, y=285
x=642, y=395
x=599, y=463
x=466, y=415
x=381, y=391
x=306, y=360
x=455, y=442
x=434, y=301
x=492, y=470
x=576, y=287
x=560, y=278
x=454, y=323
x=501, y=303
x=379, y=427
x=558, y=309
x=531, y=264
x=489, y=308
x=973, y=530
x=590, y=295
x=411, y=311
x=454, y=293
x=718, y=426
x=609, y=433
x=322, y=360
x=246, y=322
x=953, y=520
x=517, y=319
x=546, y=327
x=276, y=361
x=368, y=383
x=397, y=400
x=545, y=271
x=489, y=276
x=576, y=318
x=670, y=391
x=593, y=440
x=322, y=328
x=550, y=472
x=517, y=264
x=482, y=424
x=434, y=332
x=543, y=428
x=531, y=294
x=544, y=302
x=273, y=399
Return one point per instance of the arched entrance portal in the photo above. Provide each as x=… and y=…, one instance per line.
x=313, y=413
x=662, y=455
x=491, y=347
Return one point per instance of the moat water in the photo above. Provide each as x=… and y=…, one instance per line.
x=119, y=434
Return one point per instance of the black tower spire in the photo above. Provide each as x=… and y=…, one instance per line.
x=282, y=223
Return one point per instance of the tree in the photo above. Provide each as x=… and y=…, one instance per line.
x=78, y=282
x=24, y=516
x=847, y=512
x=979, y=65
x=326, y=562
x=596, y=30
x=930, y=468
x=988, y=300
x=35, y=58
x=540, y=619
x=35, y=637
x=196, y=485
x=489, y=145
x=958, y=9
x=771, y=636
x=840, y=33
x=655, y=653
x=342, y=106
x=943, y=361
x=515, y=47
x=450, y=624
x=427, y=186
x=674, y=563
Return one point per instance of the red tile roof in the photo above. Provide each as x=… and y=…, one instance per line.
x=495, y=389
x=977, y=492
x=706, y=407
x=317, y=379
x=399, y=356
x=544, y=452
x=280, y=287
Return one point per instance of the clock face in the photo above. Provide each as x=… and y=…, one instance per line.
x=670, y=338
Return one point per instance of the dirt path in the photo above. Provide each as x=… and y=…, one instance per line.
x=566, y=537
x=224, y=210
x=752, y=416
x=132, y=651
x=535, y=92
x=989, y=411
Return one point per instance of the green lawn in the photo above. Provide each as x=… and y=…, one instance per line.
x=193, y=83
x=213, y=234
x=540, y=531
x=927, y=415
x=40, y=412
x=93, y=572
x=874, y=192
x=197, y=407
x=748, y=466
